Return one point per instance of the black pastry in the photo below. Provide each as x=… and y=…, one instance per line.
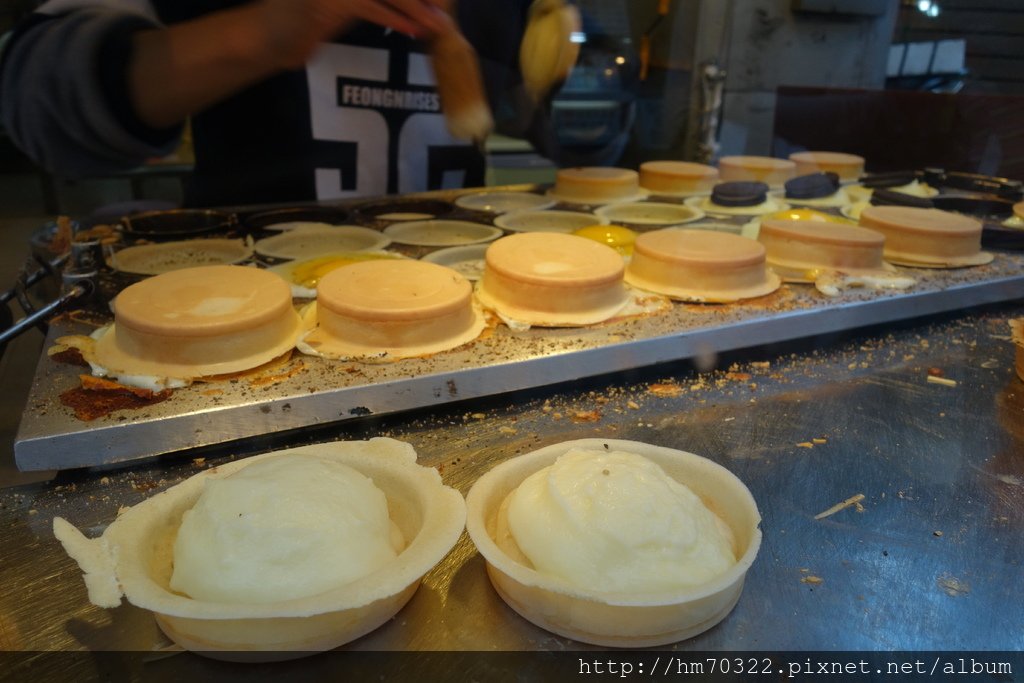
x=739, y=193
x=812, y=186
x=882, y=197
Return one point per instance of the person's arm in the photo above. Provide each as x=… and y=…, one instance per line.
x=94, y=86
x=183, y=69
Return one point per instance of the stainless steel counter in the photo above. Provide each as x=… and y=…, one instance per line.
x=930, y=559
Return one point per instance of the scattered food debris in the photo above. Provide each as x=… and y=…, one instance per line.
x=932, y=379
x=814, y=580
x=953, y=586
x=664, y=389
x=852, y=500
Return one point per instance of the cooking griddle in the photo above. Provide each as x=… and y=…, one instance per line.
x=308, y=392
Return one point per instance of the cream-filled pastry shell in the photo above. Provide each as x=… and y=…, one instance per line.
x=621, y=619
x=134, y=555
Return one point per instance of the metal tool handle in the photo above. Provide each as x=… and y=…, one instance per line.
x=45, y=268
x=79, y=290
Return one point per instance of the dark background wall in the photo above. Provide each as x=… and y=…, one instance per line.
x=994, y=34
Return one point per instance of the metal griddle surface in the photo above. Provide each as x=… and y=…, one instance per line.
x=309, y=392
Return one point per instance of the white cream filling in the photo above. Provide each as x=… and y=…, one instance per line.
x=282, y=528
x=615, y=521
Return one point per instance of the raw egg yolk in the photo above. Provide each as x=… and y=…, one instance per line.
x=807, y=215
x=308, y=273
x=615, y=236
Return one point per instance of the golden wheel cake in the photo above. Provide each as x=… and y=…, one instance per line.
x=927, y=237
x=774, y=172
x=266, y=533
x=700, y=265
x=616, y=543
x=799, y=251
x=677, y=178
x=596, y=185
x=849, y=167
x=552, y=280
x=195, y=322
x=391, y=309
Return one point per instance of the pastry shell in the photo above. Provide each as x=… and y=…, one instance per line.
x=615, y=619
x=133, y=558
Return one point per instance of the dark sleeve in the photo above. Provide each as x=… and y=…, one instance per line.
x=64, y=93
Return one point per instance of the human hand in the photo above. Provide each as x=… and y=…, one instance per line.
x=293, y=28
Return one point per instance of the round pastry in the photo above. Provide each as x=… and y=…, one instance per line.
x=816, y=189
x=927, y=237
x=596, y=185
x=677, y=178
x=700, y=265
x=195, y=322
x=739, y=193
x=385, y=310
x=629, y=558
x=738, y=198
x=552, y=280
x=163, y=257
x=799, y=251
x=768, y=170
x=135, y=556
x=649, y=214
x=849, y=167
